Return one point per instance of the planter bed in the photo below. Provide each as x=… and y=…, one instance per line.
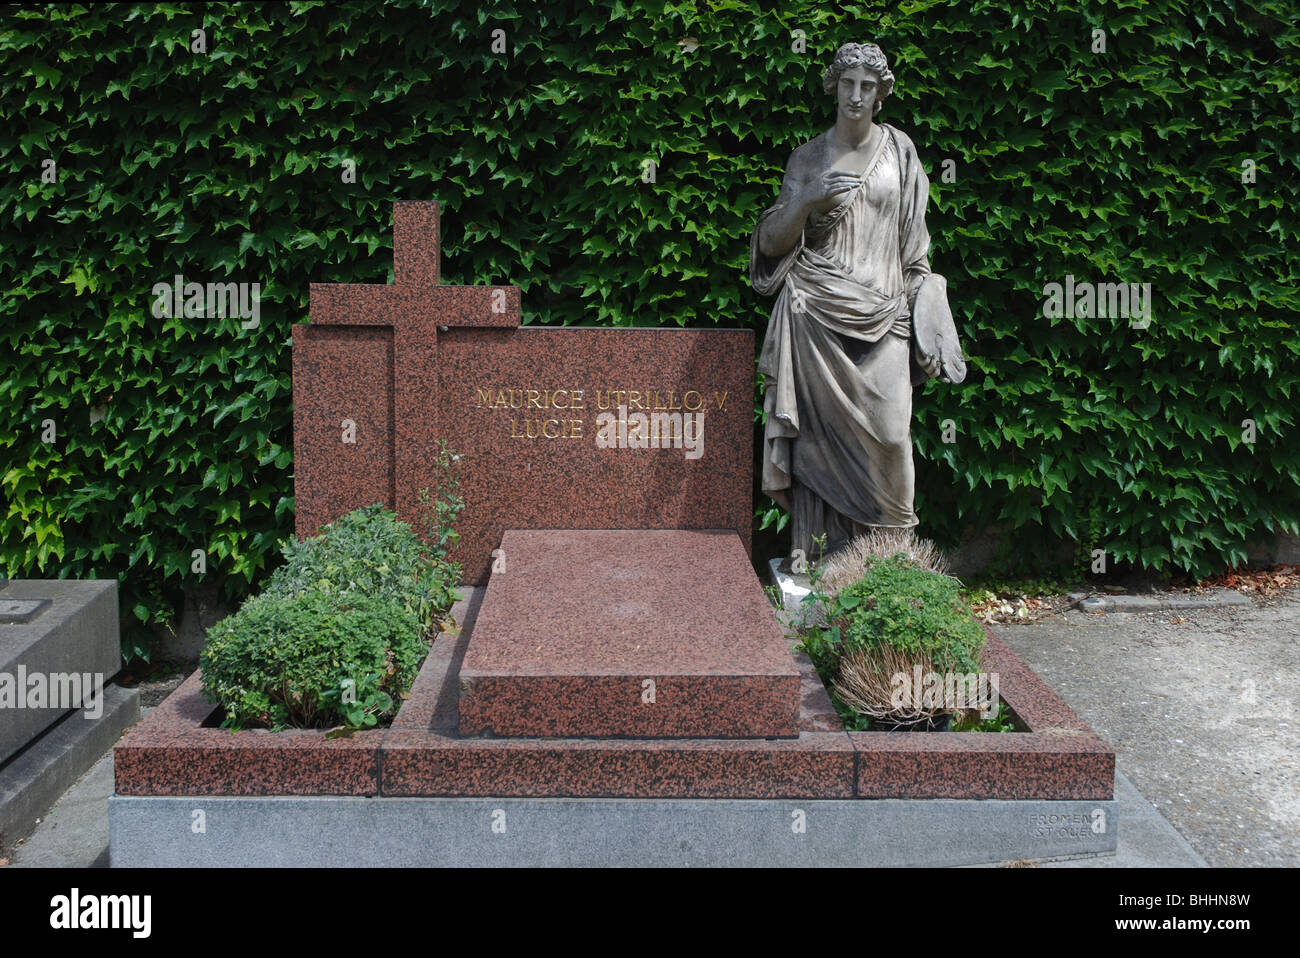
x=423, y=754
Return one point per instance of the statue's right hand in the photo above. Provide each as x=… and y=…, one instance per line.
x=825, y=192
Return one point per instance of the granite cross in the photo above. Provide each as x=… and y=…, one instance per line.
x=413, y=307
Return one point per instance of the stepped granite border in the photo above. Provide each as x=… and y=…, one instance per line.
x=172, y=753
x=422, y=755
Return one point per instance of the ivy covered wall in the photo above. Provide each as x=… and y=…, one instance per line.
x=1070, y=143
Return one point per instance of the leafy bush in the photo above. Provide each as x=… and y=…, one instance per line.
x=916, y=612
x=370, y=551
x=899, y=619
x=340, y=632
x=176, y=434
x=288, y=661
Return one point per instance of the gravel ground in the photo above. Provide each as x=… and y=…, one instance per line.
x=1200, y=706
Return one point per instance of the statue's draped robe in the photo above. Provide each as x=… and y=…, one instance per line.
x=837, y=361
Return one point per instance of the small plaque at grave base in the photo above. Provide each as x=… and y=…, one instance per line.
x=627, y=633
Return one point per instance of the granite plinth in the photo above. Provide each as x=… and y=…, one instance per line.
x=603, y=833
x=632, y=634
x=424, y=755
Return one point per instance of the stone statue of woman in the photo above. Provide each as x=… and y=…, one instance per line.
x=846, y=253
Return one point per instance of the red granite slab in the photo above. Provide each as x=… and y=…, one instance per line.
x=415, y=359
x=171, y=753
x=424, y=754
x=1058, y=758
x=631, y=634
x=341, y=374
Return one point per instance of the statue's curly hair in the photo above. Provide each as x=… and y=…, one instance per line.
x=866, y=55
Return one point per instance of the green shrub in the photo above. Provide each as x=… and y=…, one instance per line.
x=917, y=613
x=288, y=660
x=371, y=551
x=340, y=632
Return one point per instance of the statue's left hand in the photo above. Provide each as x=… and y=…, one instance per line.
x=928, y=362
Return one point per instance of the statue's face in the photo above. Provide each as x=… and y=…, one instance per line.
x=857, y=92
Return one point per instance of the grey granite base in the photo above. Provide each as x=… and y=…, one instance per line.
x=350, y=832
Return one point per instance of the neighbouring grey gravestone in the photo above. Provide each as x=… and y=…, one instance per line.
x=859, y=317
x=36, y=777
x=66, y=628
x=59, y=650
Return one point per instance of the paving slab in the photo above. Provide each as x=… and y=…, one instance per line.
x=1157, y=601
x=1201, y=708
x=74, y=832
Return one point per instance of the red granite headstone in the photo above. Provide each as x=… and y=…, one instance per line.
x=556, y=428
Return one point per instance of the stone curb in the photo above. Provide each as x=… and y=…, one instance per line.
x=1092, y=602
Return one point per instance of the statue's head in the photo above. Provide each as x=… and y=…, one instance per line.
x=866, y=55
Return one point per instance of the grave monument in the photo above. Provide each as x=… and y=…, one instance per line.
x=619, y=690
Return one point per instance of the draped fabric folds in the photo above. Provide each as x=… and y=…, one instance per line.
x=837, y=360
